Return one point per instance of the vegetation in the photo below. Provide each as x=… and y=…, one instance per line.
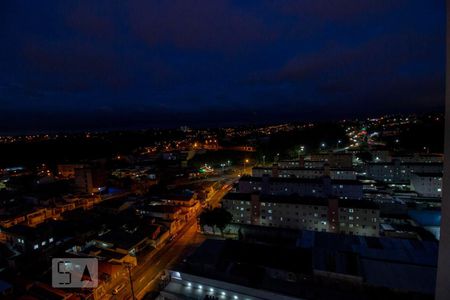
x=217, y=217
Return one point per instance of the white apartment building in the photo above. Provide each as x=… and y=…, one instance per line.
x=358, y=217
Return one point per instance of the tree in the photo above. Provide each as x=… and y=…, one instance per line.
x=206, y=218
x=217, y=217
x=221, y=218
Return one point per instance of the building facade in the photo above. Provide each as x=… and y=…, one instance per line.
x=427, y=184
x=358, y=217
x=276, y=171
x=318, y=187
x=398, y=172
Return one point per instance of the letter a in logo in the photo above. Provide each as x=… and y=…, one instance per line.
x=86, y=274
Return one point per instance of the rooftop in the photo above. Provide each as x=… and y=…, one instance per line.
x=300, y=180
x=348, y=203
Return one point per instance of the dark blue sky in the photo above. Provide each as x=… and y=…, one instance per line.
x=69, y=65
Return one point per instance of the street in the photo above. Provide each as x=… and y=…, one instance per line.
x=146, y=275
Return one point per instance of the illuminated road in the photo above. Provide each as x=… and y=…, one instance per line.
x=146, y=274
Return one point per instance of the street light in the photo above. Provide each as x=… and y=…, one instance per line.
x=245, y=164
x=300, y=152
x=128, y=266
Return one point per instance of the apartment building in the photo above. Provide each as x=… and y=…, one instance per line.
x=305, y=187
x=358, y=217
x=298, y=172
x=427, y=184
x=398, y=172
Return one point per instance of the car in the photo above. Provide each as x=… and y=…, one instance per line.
x=118, y=288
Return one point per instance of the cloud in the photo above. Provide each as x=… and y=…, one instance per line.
x=196, y=24
x=219, y=60
x=96, y=20
x=337, y=10
x=73, y=67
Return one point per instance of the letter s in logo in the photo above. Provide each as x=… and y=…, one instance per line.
x=64, y=273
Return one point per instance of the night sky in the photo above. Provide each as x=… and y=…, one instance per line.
x=75, y=65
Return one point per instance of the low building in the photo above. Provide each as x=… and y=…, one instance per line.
x=390, y=263
x=398, y=172
x=427, y=184
x=130, y=241
x=318, y=266
x=114, y=206
x=358, y=217
x=165, y=212
x=336, y=160
x=105, y=255
x=31, y=239
x=234, y=270
x=187, y=201
x=419, y=158
x=68, y=170
x=90, y=179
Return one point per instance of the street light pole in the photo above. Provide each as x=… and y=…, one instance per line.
x=131, y=280
x=245, y=164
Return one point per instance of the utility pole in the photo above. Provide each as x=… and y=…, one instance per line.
x=128, y=266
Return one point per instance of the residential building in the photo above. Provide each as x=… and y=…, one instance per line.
x=427, y=184
x=398, y=172
x=419, y=158
x=318, y=187
x=90, y=179
x=336, y=160
x=129, y=241
x=68, y=170
x=358, y=217
x=31, y=239
x=297, y=172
